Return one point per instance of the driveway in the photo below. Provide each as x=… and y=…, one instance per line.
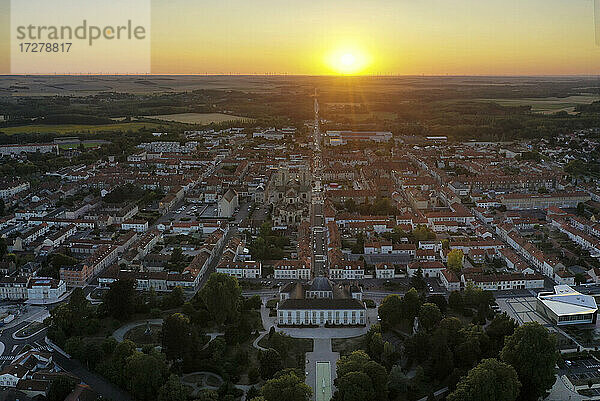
x=323, y=332
x=119, y=334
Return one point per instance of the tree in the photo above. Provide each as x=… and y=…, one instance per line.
x=417, y=281
x=175, y=298
x=176, y=336
x=350, y=205
x=490, y=380
x=60, y=388
x=469, y=350
x=287, y=387
x=429, y=316
x=439, y=300
x=119, y=299
x=422, y=233
x=360, y=378
x=441, y=359
x=3, y=247
x=410, y=304
x=173, y=390
x=254, y=302
x=55, y=262
x=500, y=327
x=177, y=260
x=580, y=278
x=270, y=362
x=397, y=382
x=455, y=301
x=374, y=342
x=221, y=295
x=207, y=395
x=531, y=350
x=455, y=260
x=390, y=310
x=145, y=375
x=354, y=386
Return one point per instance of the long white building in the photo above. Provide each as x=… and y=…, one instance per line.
x=320, y=302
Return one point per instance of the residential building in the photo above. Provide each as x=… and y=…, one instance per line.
x=292, y=269
x=249, y=269
x=45, y=289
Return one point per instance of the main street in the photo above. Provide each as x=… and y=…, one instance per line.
x=317, y=219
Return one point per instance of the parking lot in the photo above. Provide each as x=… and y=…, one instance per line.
x=522, y=309
x=190, y=212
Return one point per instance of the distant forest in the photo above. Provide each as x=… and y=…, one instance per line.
x=451, y=106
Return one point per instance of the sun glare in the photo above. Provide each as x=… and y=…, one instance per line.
x=347, y=62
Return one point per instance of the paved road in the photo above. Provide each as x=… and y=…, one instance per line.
x=97, y=382
x=119, y=334
x=14, y=346
x=317, y=219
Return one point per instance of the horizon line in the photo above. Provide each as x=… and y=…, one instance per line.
x=374, y=75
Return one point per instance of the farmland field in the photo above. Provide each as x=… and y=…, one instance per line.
x=199, y=118
x=549, y=104
x=377, y=115
x=87, y=144
x=75, y=128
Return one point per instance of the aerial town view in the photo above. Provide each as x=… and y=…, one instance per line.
x=358, y=225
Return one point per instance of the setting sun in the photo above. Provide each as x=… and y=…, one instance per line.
x=347, y=61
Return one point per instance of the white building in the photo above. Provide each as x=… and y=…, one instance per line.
x=291, y=269
x=497, y=282
x=45, y=289
x=320, y=302
x=429, y=268
x=565, y=306
x=13, y=288
x=384, y=270
x=308, y=312
x=449, y=280
x=136, y=225
x=248, y=269
x=228, y=203
x=347, y=270
x=9, y=150
x=335, y=138
x=7, y=190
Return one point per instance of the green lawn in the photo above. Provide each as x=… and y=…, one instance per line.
x=199, y=118
x=76, y=128
x=292, y=350
x=549, y=104
x=138, y=336
x=76, y=146
x=346, y=346
x=379, y=115
x=323, y=385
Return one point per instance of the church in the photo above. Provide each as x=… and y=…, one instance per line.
x=289, y=193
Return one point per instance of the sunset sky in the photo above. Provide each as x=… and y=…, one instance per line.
x=396, y=36
x=495, y=37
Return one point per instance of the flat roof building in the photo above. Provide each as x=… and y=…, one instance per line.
x=565, y=306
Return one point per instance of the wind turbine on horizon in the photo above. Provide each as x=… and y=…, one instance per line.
x=597, y=21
